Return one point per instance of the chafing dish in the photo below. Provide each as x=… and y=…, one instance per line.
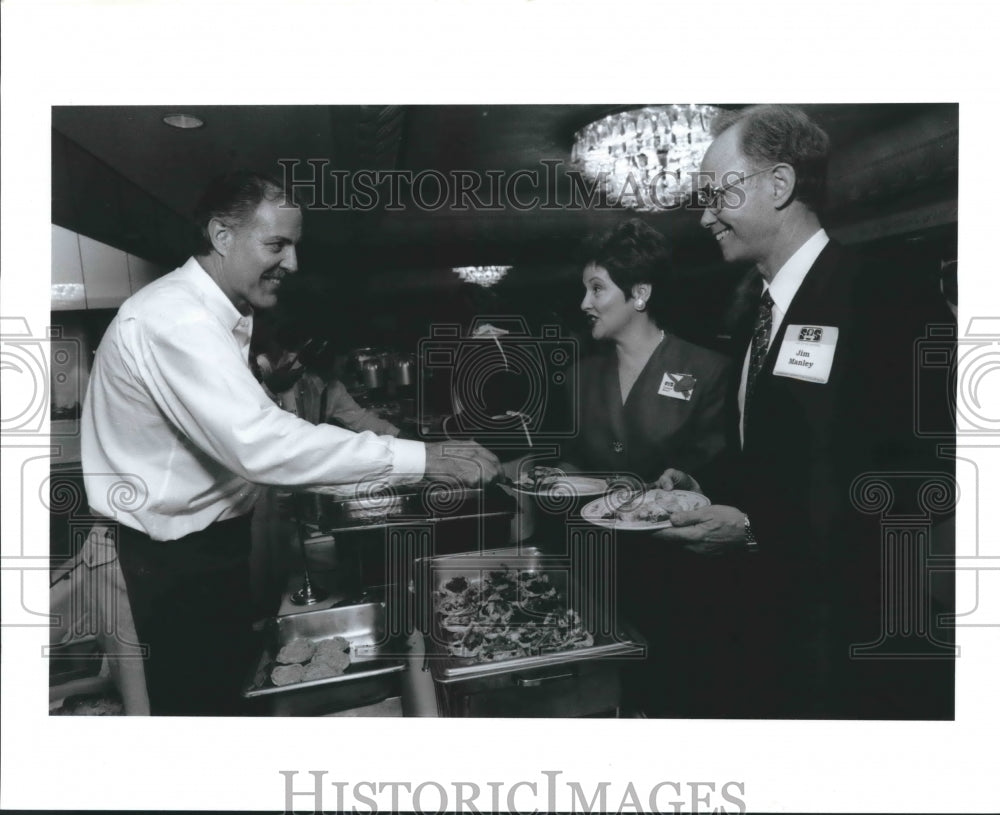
x=338, y=509
x=577, y=682
x=377, y=660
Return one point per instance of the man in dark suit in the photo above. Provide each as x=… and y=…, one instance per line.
x=826, y=421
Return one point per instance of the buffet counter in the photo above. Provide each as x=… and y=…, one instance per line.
x=441, y=607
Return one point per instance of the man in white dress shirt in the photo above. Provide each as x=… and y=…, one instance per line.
x=179, y=439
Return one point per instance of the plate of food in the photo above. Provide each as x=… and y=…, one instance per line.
x=649, y=511
x=551, y=481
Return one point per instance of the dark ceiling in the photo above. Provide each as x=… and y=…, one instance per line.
x=172, y=165
x=122, y=176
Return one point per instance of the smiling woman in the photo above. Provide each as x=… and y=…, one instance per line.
x=651, y=401
x=638, y=420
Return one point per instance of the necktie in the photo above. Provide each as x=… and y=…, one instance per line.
x=761, y=335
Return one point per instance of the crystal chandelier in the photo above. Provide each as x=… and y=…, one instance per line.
x=482, y=275
x=644, y=159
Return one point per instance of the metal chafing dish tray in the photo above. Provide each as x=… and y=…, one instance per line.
x=337, y=509
x=432, y=574
x=376, y=659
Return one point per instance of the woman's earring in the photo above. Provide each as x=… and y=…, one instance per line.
x=640, y=304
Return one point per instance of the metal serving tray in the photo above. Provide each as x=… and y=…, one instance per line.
x=432, y=573
x=339, y=510
x=374, y=660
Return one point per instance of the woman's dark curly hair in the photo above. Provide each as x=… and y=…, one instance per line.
x=633, y=253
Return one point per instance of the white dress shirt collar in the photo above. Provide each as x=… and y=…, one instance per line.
x=213, y=297
x=786, y=282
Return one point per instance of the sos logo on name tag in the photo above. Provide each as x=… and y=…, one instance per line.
x=677, y=386
x=807, y=353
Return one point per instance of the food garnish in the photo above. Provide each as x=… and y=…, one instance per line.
x=508, y=614
x=540, y=477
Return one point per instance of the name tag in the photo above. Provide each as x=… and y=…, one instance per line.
x=677, y=386
x=807, y=352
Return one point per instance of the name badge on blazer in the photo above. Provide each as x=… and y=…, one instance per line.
x=677, y=386
x=807, y=352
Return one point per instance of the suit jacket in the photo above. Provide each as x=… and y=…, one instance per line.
x=817, y=584
x=651, y=432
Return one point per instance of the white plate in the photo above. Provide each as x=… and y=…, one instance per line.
x=567, y=486
x=609, y=503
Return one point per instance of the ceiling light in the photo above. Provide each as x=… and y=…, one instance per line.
x=184, y=121
x=645, y=158
x=482, y=275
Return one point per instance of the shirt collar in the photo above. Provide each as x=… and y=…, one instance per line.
x=212, y=296
x=790, y=276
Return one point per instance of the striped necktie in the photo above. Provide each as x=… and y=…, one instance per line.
x=758, y=349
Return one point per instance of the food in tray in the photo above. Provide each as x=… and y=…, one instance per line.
x=287, y=674
x=90, y=704
x=508, y=613
x=334, y=648
x=334, y=665
x=304, y=661
x=654, y=506
x=296, y=651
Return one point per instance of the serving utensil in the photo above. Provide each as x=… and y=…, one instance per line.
x=307, y=594
x=516, y=414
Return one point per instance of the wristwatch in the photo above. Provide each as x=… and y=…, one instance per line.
x=749, y=539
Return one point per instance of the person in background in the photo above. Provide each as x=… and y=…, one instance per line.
x=305, y=382
x=335, y=404
x=826, y=393
x=179, y=439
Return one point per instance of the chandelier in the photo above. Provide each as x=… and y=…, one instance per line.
x=645, y=159
x=481, y=275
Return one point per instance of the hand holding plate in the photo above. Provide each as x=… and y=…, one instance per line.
x=711, y=530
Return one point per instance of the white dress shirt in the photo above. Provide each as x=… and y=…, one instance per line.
x=783, y=288
x=176, y=432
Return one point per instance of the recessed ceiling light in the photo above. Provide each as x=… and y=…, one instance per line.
x=185, y=121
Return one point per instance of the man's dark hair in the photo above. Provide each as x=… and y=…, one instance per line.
x=633, y=253
x=781, y=134
x=232, y=198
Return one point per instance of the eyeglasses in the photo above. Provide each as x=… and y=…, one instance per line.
x=710, y=197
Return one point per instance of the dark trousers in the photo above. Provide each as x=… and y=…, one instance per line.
x=682, y=604
x=190, y=600
x=751, y=636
